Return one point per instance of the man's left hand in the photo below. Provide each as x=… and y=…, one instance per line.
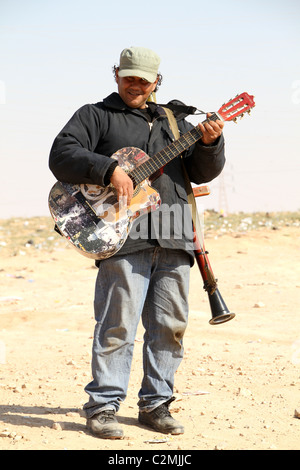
x=211, y=130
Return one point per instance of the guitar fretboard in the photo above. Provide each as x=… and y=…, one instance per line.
x=160, y=159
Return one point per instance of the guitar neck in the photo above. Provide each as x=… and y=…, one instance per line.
x=160, y=159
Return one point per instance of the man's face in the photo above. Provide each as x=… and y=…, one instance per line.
x=134, y=91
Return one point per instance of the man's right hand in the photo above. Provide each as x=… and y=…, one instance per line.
x=123, y=184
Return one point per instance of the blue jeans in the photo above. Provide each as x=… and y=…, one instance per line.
x=154, y=284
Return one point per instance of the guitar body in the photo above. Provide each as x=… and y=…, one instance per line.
x=91, y=217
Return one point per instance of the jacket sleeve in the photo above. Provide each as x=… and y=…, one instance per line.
x=203, y=162
x=72, y=158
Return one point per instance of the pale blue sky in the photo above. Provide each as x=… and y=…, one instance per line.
x=56, y=56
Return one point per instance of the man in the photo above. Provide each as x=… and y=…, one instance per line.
x=149, y=277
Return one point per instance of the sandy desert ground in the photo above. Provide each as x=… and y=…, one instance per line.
x=238, y=386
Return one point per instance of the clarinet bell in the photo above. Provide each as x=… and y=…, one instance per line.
x=219, y=310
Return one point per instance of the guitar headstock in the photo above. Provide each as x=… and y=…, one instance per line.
x=237, y=107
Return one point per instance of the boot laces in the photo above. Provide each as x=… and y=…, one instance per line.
x=162, y=411
x=107, y=416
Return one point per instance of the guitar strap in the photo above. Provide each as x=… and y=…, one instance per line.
x=188, y=186
x=181, y=111
x=192, y=204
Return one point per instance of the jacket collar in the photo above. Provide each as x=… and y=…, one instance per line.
x=114, y=101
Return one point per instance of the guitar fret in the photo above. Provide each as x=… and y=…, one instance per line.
x=178, y=142
x=165, y=156
x=138, y=175
x=151, y=165
x=186, y=139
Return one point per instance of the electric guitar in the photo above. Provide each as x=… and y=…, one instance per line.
x=91, y=217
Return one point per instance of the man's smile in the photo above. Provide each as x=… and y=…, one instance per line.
x=135, y=91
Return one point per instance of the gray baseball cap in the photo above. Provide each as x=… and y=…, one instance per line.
x=139, y=62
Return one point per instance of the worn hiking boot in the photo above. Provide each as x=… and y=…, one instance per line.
x=161, y=420
x=105, y=425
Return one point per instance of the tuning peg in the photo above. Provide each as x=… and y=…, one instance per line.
x=249, y=111
x=235, y=120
